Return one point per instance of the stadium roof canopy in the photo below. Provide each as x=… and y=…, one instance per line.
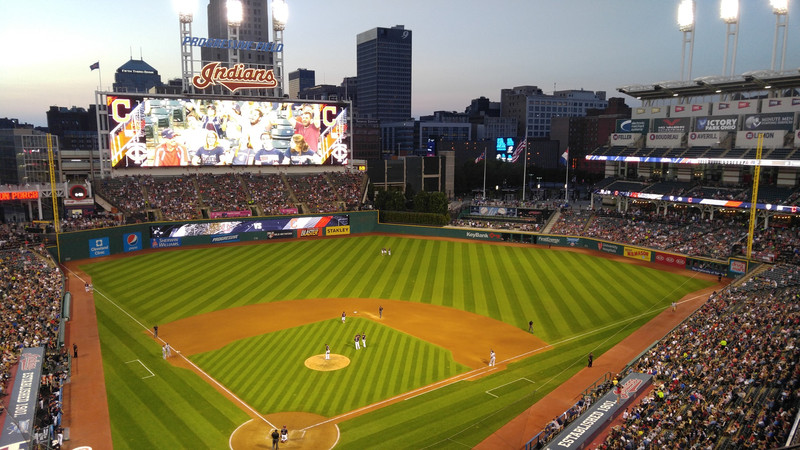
x=716, y=84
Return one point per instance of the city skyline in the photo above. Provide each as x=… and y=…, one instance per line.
x=462, y=50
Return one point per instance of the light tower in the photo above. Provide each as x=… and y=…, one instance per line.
x=729, y=13
x=686, y=25
x=781, y=10
x=280, y=14
x=235, y=15
x=186, y=10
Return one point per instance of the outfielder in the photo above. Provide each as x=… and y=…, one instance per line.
x=356, y=341
x=364, y=340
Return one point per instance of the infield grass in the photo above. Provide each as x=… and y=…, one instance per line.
x=578, y=303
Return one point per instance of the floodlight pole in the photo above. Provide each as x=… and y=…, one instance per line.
x=187, y=58
x=780, y=14
x=732, y=30
x=525, y=168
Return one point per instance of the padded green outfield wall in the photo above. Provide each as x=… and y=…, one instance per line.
x=96, y=243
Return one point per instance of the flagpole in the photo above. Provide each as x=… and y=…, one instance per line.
x=566, y=181
x=525, y=167
x=100, y=78
x=484, y=174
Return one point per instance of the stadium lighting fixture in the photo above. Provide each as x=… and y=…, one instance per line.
x=185, y=9
x=280, y=14
x=686, y=25
x=729, y=13
x=235, y=13
x=686, y=15
x=781, y=10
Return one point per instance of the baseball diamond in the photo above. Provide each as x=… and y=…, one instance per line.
x=248, y=322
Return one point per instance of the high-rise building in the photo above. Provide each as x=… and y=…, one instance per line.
x=383, y=64
x=255, y=27
x=136, y=76
x=299, y=80
x=534, y=109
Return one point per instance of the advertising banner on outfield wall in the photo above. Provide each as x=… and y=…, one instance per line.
x=638, y=253
x=580, y=432
x=99, y=247
x=606, y=247
x=337, y=231
x=550, y=240
x=484, y=235
x=668, y=259
x=737, y=267
x=131, y=242
x=19, y=417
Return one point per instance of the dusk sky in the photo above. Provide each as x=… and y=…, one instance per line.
x=461, y=49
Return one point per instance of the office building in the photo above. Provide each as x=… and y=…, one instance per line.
x=534, y=109
x=383, y=63
x=255, y=27
x=300, y=80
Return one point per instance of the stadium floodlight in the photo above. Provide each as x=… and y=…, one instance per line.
x=185, y=9
x=729, y=13
x=686, y=25
x=235, y=12
x=781, y=10
x=686, y=15
x=280, y=14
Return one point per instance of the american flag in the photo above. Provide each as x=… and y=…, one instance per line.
x=480, y=157
x=519, y=151
x=95, y=66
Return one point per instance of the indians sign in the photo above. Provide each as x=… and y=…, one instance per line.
x=234, y=78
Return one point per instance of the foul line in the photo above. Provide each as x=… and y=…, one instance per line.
x=498, y=387
x=145, y=368
x=209, y=377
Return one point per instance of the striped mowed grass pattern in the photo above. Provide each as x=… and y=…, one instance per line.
x=566, y=294
x=272, y=378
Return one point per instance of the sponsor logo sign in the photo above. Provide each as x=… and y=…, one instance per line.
x=16, y=433
x=548, y=240
x=226, y=238
x=639, y=126
x=608, y=248
x=637, y=253
x=165, y=242
x=234, y=78
x=305, y=232
x=99, y=247
x=717, y=123
x=671, y=125
x=280, y=234
x=484, y=235
x=132, y=242
x=771, y=121
x=223, y=214
x=738, y=266
x=669, y=259
x=572, y=242
x=336, y=231
x=233, y=43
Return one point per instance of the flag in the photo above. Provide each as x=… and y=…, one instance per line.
x=480, y=157
x=520, y=149
x=95, y=66
x=565, y=157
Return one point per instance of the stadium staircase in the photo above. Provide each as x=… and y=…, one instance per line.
x=552, y=222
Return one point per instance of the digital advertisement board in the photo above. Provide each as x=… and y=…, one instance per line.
x=151, y=132
x=282, y=226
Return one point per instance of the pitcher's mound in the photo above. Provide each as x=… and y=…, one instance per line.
x=318, y=362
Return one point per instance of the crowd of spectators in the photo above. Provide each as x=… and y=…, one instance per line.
x=728, y=377
x=175, y=197
x=31, y=288
x=348, y=187
x=269, y=193
x=223, y=192
x=314, y=192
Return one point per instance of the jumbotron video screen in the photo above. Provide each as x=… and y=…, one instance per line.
x=151, y=132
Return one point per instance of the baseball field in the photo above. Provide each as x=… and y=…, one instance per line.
x=248, y=326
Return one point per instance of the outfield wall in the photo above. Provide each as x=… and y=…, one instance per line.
x=89, y=244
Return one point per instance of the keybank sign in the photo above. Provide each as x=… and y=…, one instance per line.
x=483, y=235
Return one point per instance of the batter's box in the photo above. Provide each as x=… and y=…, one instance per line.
x=508, y=388
x=138, y=367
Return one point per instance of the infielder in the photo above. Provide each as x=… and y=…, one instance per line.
x=344, y=315
x=327, y=351
x=356, y=341
x=491, y=358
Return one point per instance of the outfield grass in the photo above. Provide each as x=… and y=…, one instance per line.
x=578, y=303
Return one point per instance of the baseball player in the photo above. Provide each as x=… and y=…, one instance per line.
x=284, y=434
x=364, y=340
x=356, y=341
x=327, y=351
x=491, y=358
x=344, y=316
